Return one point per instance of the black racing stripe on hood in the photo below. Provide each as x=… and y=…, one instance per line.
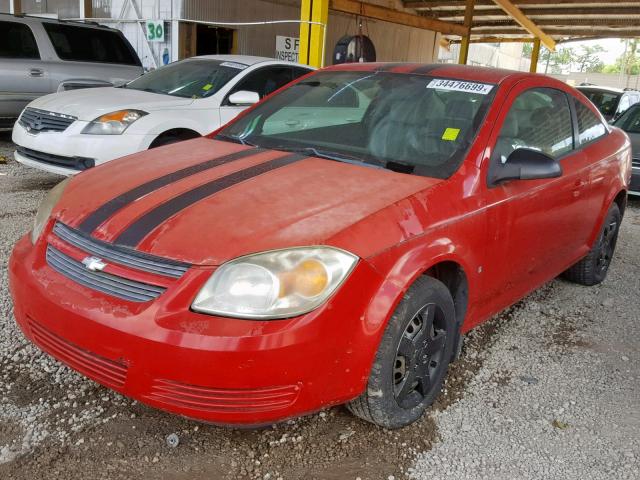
x=108, y=209
x=424, y=69
x=134, y=233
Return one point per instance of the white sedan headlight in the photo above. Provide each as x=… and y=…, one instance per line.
x=45, y=208
x=276, y=284
x=114, y=123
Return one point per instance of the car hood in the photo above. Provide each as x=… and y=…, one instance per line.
x=206, y=202
x=89, y=103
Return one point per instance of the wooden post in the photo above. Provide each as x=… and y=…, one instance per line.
x=312, y=36
x=535, y=54
x=466, y=39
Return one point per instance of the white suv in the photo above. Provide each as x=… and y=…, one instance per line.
x=68, y=132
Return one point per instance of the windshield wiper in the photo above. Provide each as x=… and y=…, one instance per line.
x=327, y=155
x=234, y=139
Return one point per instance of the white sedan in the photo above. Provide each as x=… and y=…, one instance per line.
x=68, y=132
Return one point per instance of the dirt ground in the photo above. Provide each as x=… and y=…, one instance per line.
x=54, y=423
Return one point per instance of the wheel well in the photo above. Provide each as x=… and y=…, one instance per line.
x=621, y=201
x=454, y=278
x=181, y=133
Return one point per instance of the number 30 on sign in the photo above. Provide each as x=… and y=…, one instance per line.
x=155, y=30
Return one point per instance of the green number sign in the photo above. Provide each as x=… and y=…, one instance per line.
x=155, y=30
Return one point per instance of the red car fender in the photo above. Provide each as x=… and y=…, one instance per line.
x=401, y=269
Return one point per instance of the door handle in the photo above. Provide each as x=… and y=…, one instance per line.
x=36, y=72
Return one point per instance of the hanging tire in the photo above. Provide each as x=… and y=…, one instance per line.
x=412, y=359
x=593, y=268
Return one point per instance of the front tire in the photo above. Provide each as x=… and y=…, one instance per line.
x=593, y=268
x=412, y=359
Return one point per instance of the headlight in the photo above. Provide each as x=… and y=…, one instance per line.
x=113, y=123
x=45, y=208
x=277, y=284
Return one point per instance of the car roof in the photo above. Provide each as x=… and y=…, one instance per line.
x=245, y=59
x=600, y=88
x=30, y=19
x=455, y=71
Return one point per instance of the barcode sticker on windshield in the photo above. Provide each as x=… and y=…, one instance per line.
x=239, y=66
x=459, y=86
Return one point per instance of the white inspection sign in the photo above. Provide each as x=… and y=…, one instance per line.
x=155, y=30
x=287, y=48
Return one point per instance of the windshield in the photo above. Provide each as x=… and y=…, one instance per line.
x=630, y=120
x=188, y=78
x=606, y=102
x=406, y=123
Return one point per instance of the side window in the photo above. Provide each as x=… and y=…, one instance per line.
x=624, y=103
x=589, y=125
x=82, y=44
x=299, y=72
x=17, y=41
x=539, y=119
x=264, y=80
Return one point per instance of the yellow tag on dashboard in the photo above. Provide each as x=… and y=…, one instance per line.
x=450, y=134
x=207, y=87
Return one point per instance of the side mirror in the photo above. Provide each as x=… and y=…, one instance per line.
x=244, y=97
x=526, y=164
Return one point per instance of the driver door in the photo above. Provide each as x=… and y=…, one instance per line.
x=536, y=228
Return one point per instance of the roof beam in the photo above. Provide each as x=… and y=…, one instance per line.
x=555, y=3
x=526, y=23
x=497, y=40
x=561, y=22
x=601, y=11
x=566, y=32
x=355, y=7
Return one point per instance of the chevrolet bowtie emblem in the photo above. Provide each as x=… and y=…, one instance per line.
x=94, y=264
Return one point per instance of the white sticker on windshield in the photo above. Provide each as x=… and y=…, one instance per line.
x=460, y=86
x=239, y=66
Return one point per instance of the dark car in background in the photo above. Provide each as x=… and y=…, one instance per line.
x=41, y=55
x=612, y=102
x=630, y=123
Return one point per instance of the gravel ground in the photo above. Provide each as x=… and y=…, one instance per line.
x=548, y=389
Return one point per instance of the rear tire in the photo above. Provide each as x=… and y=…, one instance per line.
x=593, y=268
x=412, y=359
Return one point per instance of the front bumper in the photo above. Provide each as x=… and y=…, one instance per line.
x=72, y=143
x=220, y=370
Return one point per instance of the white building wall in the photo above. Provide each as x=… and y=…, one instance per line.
x=393, y=42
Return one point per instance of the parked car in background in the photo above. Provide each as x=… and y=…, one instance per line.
x=183, y=100
x=330, y=245
x=630, y=123
x=41, y=55
x=612, y=102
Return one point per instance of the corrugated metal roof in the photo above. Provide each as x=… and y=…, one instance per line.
x=562, y=20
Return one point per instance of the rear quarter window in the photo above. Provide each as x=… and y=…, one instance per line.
x=17, y=41
x=82, y=44
x=590, y=127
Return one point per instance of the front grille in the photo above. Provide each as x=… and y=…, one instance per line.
x=123, y=256
x=107, y=372
x=75, y=163
x=223, y=400
x=635, y=162
x=103, y=282
x=35, y=120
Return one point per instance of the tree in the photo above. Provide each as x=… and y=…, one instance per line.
x=628, y=61
x=553, y=61
x=588, y=60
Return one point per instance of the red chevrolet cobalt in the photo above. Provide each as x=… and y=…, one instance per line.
x=330, y=245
